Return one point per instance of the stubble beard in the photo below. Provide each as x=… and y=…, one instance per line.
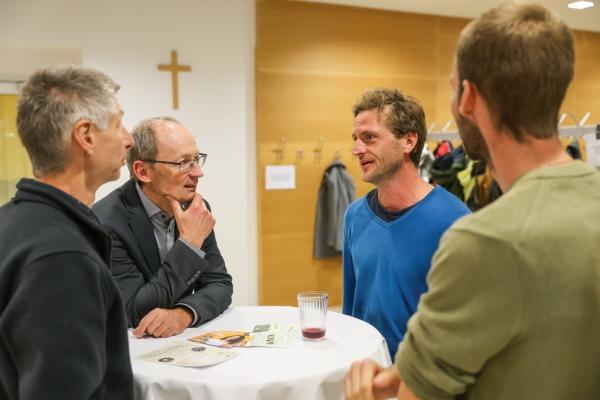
x=475, y=145
x=386, y=173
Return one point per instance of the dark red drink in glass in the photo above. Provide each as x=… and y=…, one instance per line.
x=313, y=314
x=313, y=333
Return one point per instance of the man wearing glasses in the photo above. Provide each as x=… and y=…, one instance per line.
x=165, y=257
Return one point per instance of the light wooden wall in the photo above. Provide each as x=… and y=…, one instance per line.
x=584, y=93
x=312, y=63
x=14, y=162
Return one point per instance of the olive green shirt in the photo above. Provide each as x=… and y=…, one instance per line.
x=513, y=307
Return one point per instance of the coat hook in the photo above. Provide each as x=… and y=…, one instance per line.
x=337, y=155
x=299, y=156
x=319, y=150
x=279, y=150
x=584, y=119
x=445, y=128
x=570, y=114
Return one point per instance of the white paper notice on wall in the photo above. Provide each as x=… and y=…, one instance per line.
x=592, y=149
x=279, y=177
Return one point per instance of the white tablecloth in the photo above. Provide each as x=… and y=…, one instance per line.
x=306, y=370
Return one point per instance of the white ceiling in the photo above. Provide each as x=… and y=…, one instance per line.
x=588, y=19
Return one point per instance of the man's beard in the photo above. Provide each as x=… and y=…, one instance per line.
x=472, y=138
x=388, y=170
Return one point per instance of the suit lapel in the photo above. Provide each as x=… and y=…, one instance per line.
x=142, y=228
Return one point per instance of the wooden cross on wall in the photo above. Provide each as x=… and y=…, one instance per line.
x=174, y=68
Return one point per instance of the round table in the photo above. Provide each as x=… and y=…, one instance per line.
x=306, y=370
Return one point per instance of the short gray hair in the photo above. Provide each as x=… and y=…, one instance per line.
x=51, y=102
x=144, y=138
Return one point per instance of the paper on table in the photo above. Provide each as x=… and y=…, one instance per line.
x=272, y=335
x=185, y=354
x=225, y=339
x=266, y=335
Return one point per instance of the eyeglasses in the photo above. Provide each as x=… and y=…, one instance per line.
x=185, y=165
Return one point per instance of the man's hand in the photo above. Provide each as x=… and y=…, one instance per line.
x=367, y=380
x=195, y=223
x=164, y=323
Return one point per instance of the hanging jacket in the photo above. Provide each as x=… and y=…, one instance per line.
x=445, y=169
x=335, y=194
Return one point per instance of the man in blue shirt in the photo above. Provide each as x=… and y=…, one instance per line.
x=390, y=234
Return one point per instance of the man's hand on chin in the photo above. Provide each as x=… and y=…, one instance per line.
x=161, y=322
x=195, y=223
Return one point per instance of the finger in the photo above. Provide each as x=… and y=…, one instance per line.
x=157, y=316
x=356, y=385
x=141, y=328
x=170, y=331
x=387, y=382
x=367, y=373
x=162, y=329
x=175, y=207
x=348, y=385
x=166, y=333
x=138, y=333
x=386, y=377
x=355, y=379
x=198, y=201
x=155, y=325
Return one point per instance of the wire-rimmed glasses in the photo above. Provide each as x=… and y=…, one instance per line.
x=185, y=166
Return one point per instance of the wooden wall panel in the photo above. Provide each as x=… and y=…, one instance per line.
x=14, y=161
x=586, y=85
x=448, y=32
x=293, y=105
x=331, y=39
x=313, y=61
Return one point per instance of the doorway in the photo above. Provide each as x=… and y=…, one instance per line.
x=14, y=162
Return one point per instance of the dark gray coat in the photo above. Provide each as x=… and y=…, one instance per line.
x=145, y=283
x=335, y=195
x=63, y=333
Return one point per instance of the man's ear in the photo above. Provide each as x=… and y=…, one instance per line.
x=410, y=141
x=141, y=171
x=466, y=105
x=83, y=135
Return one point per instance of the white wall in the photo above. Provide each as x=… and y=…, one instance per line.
x=126, y=40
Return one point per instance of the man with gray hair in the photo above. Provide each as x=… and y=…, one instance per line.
x=514, y=289
x=165, y=257
x=63, y=332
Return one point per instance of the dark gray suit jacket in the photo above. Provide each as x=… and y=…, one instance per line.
x=145, y=283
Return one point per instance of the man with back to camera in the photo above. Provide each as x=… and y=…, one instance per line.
x=514, y=295
x=165, y=257
x=63, y=332
x=390, y=235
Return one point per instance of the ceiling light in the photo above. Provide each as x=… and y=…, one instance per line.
x=580, y=5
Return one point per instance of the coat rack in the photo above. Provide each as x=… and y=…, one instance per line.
x=575, y=131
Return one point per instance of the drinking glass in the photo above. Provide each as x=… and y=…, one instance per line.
x=313, y=314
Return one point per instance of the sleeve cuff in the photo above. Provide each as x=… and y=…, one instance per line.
x=196, y=249
x=194, y=313
x=426, y=378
